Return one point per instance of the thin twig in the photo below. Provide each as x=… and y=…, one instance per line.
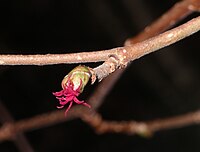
x=167, y=38
x=8, y=130
x=141, y=128
x=103, y=89
x=124, y=55
x=132, y=127
x=49, y=59
x=170, y=18
x=133, y=52
x=19, y=139
x=155, y=28
x=100, y=125
x=179, y=11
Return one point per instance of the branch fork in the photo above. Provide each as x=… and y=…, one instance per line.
x=114, y=62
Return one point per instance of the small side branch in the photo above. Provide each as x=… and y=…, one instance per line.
x=167, y=38
x=19, y=139
x=179, y=11
x=124, y=55
x=101, y=126
x=141, y=128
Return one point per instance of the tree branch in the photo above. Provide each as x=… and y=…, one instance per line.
x=101, y=126
x=179, y=11
x=167, y=38
x=123, y=54
x=8, y=130
x=155, y=28
x=19, y=139
x=141, y=128
x=49, y=59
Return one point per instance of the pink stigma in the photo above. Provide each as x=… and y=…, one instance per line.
x=68, y=95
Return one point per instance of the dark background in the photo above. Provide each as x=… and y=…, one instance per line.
x=159, y=85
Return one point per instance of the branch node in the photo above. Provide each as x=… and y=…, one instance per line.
x=141, y=129
x=108, y=67
x=93, y=75
x=122, y=57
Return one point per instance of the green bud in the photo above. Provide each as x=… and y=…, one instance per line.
x=78, y=77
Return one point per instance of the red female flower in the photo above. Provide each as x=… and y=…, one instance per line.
x=73, y=84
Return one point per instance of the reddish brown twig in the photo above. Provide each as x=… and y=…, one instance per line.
x=100, y=125
x=19, y=139
x=156, y=28
x=150, y=45
x=8, y=130
x=141, y=128
x=179, y=11
x=124, y=55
